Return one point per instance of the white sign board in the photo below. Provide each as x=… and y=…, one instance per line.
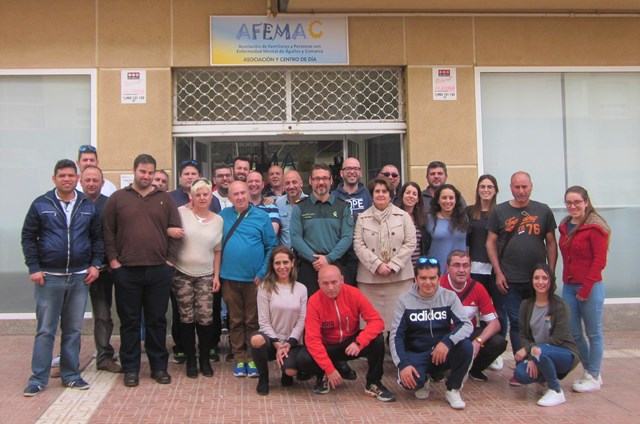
x=125, y=180
x=133, y=86
x=445, y=86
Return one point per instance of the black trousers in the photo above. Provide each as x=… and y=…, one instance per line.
x=308, y=276
x=493, y=348
x=374, y=352
x=138, y=289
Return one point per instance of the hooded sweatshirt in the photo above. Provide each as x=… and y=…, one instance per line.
x=420, y=323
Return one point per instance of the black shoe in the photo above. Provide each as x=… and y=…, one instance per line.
x=161, y=377
x=346, y=372
x=303, y=376
x=213, y=355
x=230, y=358
x=192, y=366
x=322, y=385
x=478, y=375
x=263, y=384
x=205, y=367
x=286, y=380
x=131, y=379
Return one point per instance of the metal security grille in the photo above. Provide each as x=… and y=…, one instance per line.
x=218, y=96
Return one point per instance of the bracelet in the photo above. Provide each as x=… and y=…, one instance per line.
x=479, y=340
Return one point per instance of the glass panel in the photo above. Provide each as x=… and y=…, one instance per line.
x=42, y=119
x=381, y=151
x=522, y=130
x=603, y=129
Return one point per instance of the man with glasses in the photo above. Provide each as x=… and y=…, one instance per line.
x=321, y=228
x=430, y=335
x=88, y=155
x=390, y=173
x=487, y=341
x=521, y=235
x=352, y=191
x=222, y=178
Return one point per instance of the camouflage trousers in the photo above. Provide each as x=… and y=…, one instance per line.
x=194, y=297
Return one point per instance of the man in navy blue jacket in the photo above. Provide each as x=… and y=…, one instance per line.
x=63, y=249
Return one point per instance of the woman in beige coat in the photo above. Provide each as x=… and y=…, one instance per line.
x=384, y=239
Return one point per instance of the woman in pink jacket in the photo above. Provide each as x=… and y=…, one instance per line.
x=584, y=240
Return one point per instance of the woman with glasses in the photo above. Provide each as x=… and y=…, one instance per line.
x=410, y=200
x=548, y=352
x=448, y=224
x=197, y=276
x=282, y=308
x=584, y=241
x=384, y=240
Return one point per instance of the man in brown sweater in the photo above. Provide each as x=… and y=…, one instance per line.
x=142, y=256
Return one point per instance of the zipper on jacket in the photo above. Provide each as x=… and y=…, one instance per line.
x=339, y=319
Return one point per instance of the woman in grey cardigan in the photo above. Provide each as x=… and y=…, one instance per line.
x=548, y=352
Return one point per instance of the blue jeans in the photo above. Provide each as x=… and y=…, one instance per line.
x=515, y=295
x=553, y=360
x=589, y=312
x=62, y=298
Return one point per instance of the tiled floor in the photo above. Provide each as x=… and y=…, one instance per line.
x=225, y=399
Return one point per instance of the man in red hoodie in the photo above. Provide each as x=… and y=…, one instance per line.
x=332, y=334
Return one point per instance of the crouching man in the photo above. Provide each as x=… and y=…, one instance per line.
x=332, y=334
x=430, y=334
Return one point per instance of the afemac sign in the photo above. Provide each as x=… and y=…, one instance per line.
x=260, y=41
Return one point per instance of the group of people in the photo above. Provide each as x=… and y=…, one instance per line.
x=313, y=281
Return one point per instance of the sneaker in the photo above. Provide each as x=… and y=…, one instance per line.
x=478, y=375
x=378, y=391
x=586, y=384
x=423, y=392
x=552, y=398
x=513, y=382
x=179, y=358
x=436, y=378
x=322, y=385
x=55, y=362
x=32, y=389
x=497, y=365
x=79, y=384
x=240, y=370
x=453, y=397
x=252, y=371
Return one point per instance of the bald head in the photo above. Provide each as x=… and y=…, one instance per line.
x=330, y=281
x=292, y=185
x=239, y=195
x=521, y=187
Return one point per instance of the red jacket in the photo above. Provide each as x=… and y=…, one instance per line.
x=585, y=255
x=332, y=321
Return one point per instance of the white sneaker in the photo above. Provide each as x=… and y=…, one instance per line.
x=552, y=398
x=586, y=384
x=55, y=362
x=423, y=392
x=497, y=365
x=453, y=397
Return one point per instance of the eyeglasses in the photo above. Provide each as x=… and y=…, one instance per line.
x=458, y=266
x=486, y=187
x=390, y=174
x=221, y=176
x=575, y=203
x=87, y=148
x=351, y=168
x=430, y=261
x=319, y=179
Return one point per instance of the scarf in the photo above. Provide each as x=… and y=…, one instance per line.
x=384, y=240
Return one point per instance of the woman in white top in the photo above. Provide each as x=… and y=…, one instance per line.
x=282, y=307
x=196, y=277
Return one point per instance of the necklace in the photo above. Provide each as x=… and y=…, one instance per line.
x=200, y=219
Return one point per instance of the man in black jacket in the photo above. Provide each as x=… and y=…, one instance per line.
x=63, y=249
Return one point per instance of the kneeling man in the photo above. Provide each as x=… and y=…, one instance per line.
x=488, y=344
x=430, y=334
x=332, y=334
